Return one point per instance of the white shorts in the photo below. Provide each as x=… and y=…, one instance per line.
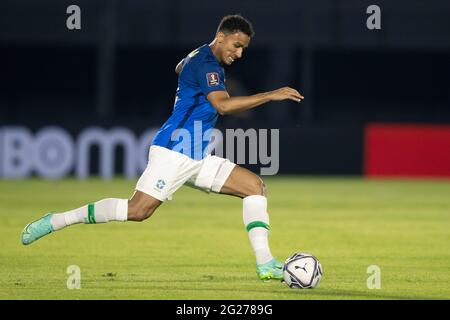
x=168, y=170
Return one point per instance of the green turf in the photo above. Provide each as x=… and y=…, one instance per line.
x=196, y=247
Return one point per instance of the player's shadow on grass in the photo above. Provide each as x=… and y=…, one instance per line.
x=287, y=293
x=279, y=293
x=297, y=294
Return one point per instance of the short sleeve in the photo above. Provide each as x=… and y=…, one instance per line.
x=210, y=77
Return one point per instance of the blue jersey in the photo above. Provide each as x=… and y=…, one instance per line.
x=188, y=129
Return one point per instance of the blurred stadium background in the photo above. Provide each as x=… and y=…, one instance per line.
x=117, y=71
x=377, y=105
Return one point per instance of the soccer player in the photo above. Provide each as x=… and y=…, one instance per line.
x=200, y=97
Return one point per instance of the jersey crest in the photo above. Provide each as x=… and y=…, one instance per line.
x=213, y=79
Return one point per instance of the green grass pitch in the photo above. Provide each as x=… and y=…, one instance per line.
x=196, y=247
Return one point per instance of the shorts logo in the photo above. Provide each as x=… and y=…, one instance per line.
x=213, y=79
x=160, y=184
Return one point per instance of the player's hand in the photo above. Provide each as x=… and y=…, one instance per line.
x=285, y=93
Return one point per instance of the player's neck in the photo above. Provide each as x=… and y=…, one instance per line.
x=215, y=50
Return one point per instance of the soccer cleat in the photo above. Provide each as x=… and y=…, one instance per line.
x=37, y=229
x=270, y=270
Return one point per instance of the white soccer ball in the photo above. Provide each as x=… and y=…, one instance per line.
x=302, y=271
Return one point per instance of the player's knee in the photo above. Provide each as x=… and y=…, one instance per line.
x=257, y=187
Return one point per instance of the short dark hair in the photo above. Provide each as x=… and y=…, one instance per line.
x=235, y=23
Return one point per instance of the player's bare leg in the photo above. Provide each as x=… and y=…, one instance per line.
x=243, y=183
x=247, y=185
x=138, y=208
x=141, y=206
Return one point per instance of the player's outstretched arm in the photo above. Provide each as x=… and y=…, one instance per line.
x=226, y=104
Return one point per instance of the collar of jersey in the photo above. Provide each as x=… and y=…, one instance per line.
x=211, y=53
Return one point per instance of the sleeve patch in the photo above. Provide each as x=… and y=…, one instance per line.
x=213, y=79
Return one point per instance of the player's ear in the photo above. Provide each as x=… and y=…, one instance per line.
x=220, y=36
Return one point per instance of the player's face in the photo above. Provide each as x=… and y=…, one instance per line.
x=232, y=46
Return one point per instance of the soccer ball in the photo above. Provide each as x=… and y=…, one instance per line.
x=302, y=271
